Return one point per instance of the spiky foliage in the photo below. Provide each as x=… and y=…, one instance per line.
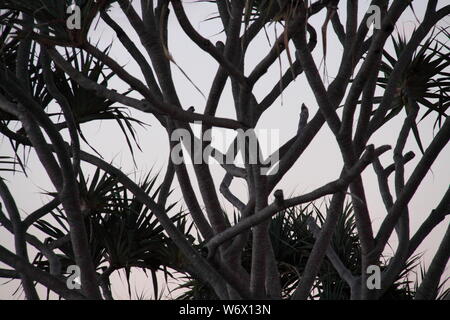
x=424, y=84
x=9, y=44
x=6, y=163
x=441, y=293
x=86, y=105
x=53, y=15
x=293, y=240
x=123, y=233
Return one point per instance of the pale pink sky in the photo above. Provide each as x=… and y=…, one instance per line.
x=317, y=166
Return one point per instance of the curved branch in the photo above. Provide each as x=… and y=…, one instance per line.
x=430, y=155
x=272, y=209
x=38, y=275
x=430, y=283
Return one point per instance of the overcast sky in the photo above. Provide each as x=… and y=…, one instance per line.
x=318, y=165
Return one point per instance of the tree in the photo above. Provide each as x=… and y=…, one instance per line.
x=273, y=249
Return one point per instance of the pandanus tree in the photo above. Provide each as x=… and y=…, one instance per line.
x=54, y=79
x=292, y=234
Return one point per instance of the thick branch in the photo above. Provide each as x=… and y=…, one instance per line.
x=430, y=283
x=424, y=165
x=330, y=188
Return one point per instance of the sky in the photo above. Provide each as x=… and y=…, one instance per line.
x=319, y=164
